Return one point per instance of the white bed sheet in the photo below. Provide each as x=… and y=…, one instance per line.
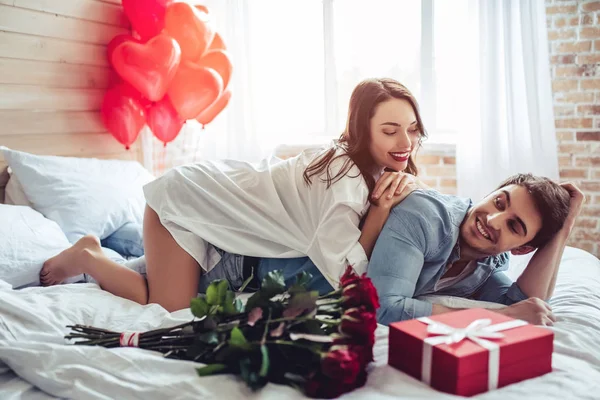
x=36, y=364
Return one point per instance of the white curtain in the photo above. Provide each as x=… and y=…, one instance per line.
x=507, y=99
x=232, y=134
x=295, y=63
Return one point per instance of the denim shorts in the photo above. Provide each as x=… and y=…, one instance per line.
x=231, y=269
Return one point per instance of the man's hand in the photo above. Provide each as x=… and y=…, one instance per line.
x=532, y=310
x=577, y=200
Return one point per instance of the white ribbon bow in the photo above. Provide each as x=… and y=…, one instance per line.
x=477, y=331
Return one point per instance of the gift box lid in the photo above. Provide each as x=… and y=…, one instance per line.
x=467, y=358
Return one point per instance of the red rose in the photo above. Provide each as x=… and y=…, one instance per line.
x=365, y=353
x=349, y=277
x=361, y=379
x=360, y=323
x=322, y=387
x=341, y=365
x=361, y=293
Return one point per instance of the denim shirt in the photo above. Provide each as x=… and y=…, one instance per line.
x=418, y=240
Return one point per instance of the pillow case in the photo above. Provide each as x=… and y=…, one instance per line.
x=27, y=240
x=14, y=193
x=82, y=195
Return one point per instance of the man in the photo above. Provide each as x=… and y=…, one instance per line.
x=441, y=244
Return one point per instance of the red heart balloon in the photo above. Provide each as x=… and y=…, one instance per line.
x=130, y=91
x=193, y=89
x=164, y=121
x=217, y=43
x=191, y=28
x=214, y=109
x=117, y=40
x=148, y=67
x=219, y=61
x=122, y=115
x=147, y=17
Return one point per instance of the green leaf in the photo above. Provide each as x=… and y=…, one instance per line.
x=222, y=287
x=303, y=278
x=229, y=304
x=239, y=306
x=264, y=368
x=273, y=283
x=211, y=369
x=199, y=307
x=215, y=293
x=306, y=300
x=237, y=338
x=212, y=293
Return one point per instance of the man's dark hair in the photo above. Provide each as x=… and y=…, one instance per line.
x=551, y=200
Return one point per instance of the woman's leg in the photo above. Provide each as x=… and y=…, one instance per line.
x=86, y=256
x=172, y=273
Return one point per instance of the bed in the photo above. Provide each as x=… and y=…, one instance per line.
x=36, y=363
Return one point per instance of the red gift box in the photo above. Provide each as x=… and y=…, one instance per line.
x=473, y=365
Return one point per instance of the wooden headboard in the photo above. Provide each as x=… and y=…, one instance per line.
x=53, y=74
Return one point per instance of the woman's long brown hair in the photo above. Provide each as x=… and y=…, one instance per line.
x=356, y=137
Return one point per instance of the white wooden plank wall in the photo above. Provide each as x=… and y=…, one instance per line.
x=53, y=74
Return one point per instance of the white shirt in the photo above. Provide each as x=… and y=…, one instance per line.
x=264, y=210
x=449, y=281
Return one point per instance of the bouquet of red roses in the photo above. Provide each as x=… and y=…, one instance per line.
x=318, y=344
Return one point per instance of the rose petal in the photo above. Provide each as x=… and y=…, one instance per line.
x=255, y=315
x=277, y=332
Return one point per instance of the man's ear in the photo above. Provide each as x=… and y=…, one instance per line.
x=520, y=251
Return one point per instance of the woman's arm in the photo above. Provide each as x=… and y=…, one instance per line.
x=390, y=190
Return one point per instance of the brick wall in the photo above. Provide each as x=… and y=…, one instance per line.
x=574, y=36
x=437, y=167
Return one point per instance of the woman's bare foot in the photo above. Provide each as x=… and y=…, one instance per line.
x=70, y=262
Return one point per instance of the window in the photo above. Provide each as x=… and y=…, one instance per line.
x=304, y=58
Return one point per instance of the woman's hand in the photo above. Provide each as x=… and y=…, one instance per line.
x=394, y=183
x=390, y=199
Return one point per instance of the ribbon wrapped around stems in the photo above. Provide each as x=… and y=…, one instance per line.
x=129, y=339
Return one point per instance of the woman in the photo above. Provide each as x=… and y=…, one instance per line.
x=310, y=205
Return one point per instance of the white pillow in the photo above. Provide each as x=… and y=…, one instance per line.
x=82, y=195
x=27, y=240
x=14, y=193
